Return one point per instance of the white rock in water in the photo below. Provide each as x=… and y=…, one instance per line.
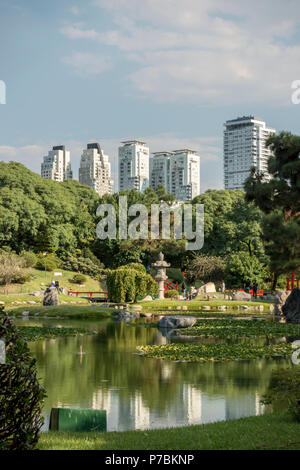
x=242, y=296
x=177, y=322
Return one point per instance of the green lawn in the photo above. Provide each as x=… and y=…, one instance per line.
x=197, y=305
x=16, y=300
x=270, y=431
x=66, y=311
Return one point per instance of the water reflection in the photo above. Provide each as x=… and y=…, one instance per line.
x=141, y=393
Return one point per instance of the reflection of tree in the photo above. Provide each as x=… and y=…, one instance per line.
x=72, y=379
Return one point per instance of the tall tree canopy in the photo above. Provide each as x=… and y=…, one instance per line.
x=34, y=211
x=279, y=199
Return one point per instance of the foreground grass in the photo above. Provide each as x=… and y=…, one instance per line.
x=65, y=311
x=270, y=431
x=36, y=333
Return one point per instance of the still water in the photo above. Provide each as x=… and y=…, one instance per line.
x=142, y=393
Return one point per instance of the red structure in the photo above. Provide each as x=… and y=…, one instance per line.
x=89, y=293
x=170, y=286
x=291, y=283
x=259, y=291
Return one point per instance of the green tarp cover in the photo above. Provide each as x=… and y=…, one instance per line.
x=67, y=419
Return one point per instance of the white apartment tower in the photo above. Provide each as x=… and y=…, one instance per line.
x=244, y=148
x=56, y=165
x=95, y=170
x=178, y=172
x=133, y=165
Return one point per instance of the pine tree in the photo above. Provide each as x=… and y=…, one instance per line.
x=279, y=199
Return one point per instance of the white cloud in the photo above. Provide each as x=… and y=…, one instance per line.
x=208, y=51
x=87, y=64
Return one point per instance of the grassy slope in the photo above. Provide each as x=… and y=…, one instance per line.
x=268, y=431
x=42, y=280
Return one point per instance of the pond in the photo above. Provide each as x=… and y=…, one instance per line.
x=102, y=371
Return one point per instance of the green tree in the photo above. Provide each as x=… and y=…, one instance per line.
x=126, y=283
x=279, y=199
x=205, y=268
x=231, y=224
x=242, y=266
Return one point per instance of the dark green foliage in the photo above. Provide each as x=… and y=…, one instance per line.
x=126, y=283
x=284, y=390
x=40, y=215
x=21, y=395
x=84, y=266
x=205, y=268
x=50, y=264
x=279, y=199
x=242, y=266
x=175, y=275
x=78, y=279
x=231, y=224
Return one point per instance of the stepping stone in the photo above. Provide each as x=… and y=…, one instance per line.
x=206, y=307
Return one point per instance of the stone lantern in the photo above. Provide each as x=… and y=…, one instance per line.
x=161, y=265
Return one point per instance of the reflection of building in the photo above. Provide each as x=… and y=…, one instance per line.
x=192, y=406
x=245, y=405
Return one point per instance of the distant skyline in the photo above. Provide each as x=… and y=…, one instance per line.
x=169, y=73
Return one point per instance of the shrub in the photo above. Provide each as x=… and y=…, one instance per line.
x=125, y=284
x=52, y=262
x=84, y=266
x=11, y=268
x=29, y=259
x=21, y=395
x=284, y=390
x=78, y=279
x=242, y=266
x=205, y=268
x=171, y=294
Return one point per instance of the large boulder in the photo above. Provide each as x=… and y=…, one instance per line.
x=207, y=288
x=177, y=322
x=50, y=297
x=124, y=315
x=37, y=293
x=241, y=296
x=291, y=308
x=280, y=299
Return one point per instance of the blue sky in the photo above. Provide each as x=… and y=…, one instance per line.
x=168, y=72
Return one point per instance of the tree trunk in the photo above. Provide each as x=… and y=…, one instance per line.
x=275, y=281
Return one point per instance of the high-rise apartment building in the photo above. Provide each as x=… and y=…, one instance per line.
x=95, y=170
x=244, y=148
x=56, y=165
x=133, y=165
x=178, y=172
